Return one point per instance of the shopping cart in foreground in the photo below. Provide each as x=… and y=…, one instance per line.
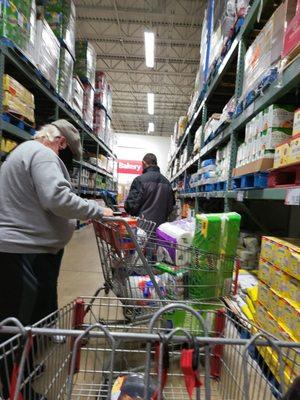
x=136, y=264
x=96, y=361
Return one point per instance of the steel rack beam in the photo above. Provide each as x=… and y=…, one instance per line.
x=15, y=131
x=253, y=194
x=92, y=167
x=187, y=166
x=29, y=73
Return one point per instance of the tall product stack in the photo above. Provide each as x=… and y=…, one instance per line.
x=14, y=22
x=85, y=68
x=61, y=16
x=100, y=105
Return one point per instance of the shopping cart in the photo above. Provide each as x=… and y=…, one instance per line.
x=136, y=264
x=212, y=363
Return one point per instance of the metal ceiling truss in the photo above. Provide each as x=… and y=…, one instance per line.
x=116, y=29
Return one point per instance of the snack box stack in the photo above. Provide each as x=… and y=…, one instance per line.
x=14, y=22
x=7, y=145
x=77, y=95
x=88, y=105
x=85, y=64
x=29, y=52
x=65, y=84
x=278, y=301
x=182, y=124
x=47, y=52
x=61, y=16
x=17, y=99
x=288, y=152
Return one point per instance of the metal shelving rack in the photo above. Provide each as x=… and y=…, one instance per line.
x=289, y=80
x=49, y=107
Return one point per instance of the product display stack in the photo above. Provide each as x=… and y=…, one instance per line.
x=85, y=68
x=100, y=105
x=61, y=17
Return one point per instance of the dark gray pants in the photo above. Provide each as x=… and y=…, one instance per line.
x=28, y=292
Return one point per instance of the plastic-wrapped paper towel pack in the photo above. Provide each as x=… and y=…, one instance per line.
x=215, y=242
x=173, y=239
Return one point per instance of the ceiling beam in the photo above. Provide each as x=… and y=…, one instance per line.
x=138, y=40
x=142, y=58
x=148, y=72
x=140, y=17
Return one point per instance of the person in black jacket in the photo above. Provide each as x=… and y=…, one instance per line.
x=151, y=195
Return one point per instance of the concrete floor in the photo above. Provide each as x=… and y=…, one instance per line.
x=80, y=273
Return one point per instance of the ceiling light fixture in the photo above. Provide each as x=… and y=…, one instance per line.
x=149, y=49
x=150, y=127
x=150, y=97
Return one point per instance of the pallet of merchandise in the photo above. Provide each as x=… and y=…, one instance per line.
x=257, y=180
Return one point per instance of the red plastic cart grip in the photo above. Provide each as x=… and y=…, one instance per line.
x=217, y=351
x=78, y=319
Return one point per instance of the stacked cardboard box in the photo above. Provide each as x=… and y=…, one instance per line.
x=77, y=95
x=47, y=52
x=14, y=22
x=88, y=105
x=17, y=99
x=86, y=58
x=66, y=65
x=278, y=301
x=61, y=16
x=263, y=133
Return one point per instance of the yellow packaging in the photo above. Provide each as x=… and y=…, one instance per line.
x=252, y=293
x=16, y=89
x=263, y=295
x=250, y=305
x=293, y=267
x=287, y=286
x=282, y=154
x=295, y=149
x=281, y=256
x=296, y=125
x=266, y=251
x=266, y=271
x=277, y=156
x=289, y=317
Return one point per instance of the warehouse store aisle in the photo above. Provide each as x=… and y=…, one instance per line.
x=80, y=271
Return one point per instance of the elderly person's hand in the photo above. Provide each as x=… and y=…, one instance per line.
x=107, y=212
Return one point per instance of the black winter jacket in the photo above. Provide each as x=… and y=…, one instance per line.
x=150, y=196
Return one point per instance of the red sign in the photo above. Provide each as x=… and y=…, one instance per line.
x=130, y=167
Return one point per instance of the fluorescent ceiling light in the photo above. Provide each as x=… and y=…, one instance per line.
x=150, y=127
x=149, y=49
x=150, y=97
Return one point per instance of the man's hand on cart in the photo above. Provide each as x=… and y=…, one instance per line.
x=107, y=212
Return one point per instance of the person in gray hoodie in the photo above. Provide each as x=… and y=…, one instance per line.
x=38, y=209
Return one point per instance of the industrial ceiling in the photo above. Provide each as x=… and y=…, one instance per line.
x=116, y=28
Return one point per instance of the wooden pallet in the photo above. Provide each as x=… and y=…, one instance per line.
x=285, y=176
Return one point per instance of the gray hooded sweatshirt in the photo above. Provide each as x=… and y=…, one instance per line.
x=37, y=205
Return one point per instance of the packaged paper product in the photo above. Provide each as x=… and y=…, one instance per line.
x=47, y=51
x=216, y=237
x=14, y=22
x=66, y=66
x=100, y=122
x=182, y=123
x=296, y=122
x=141, y=287
x=197, y=140
x=88, y=105
x=29, y=52
x=61, y=16
x=271, y=137
x=101, y=89
x=86, y=59
x=211, y=125
x=279, y=116
x=77, y=95
x=176, y=237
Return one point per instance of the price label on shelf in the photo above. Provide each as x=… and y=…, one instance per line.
x=240, y=195
x=292, y=197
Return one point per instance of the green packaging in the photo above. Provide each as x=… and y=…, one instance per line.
x=66, y=66
x=14, y=23
x=215, y=242
x=61, y=16
x=86, y=59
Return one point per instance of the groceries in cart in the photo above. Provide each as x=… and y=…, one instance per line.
x=132, y=387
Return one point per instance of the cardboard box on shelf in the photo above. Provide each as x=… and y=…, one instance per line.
x=279, y=116
x=77, y=95
x=12, y=86
x=296, y=123
x=262, y=164
x=294, y=154
x=88, y=105
x=61, y=16
x=86, y=59
x=66, y=66
x=291, y=43
x=47, y=52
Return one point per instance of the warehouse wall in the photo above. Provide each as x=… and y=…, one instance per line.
x=134, y=147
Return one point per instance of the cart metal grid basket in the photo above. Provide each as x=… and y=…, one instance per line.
x=136, y=264
x=82, y=353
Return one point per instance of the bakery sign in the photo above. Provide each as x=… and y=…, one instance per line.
x=130, y=167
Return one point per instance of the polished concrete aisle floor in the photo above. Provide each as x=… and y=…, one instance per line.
x=80, y=273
